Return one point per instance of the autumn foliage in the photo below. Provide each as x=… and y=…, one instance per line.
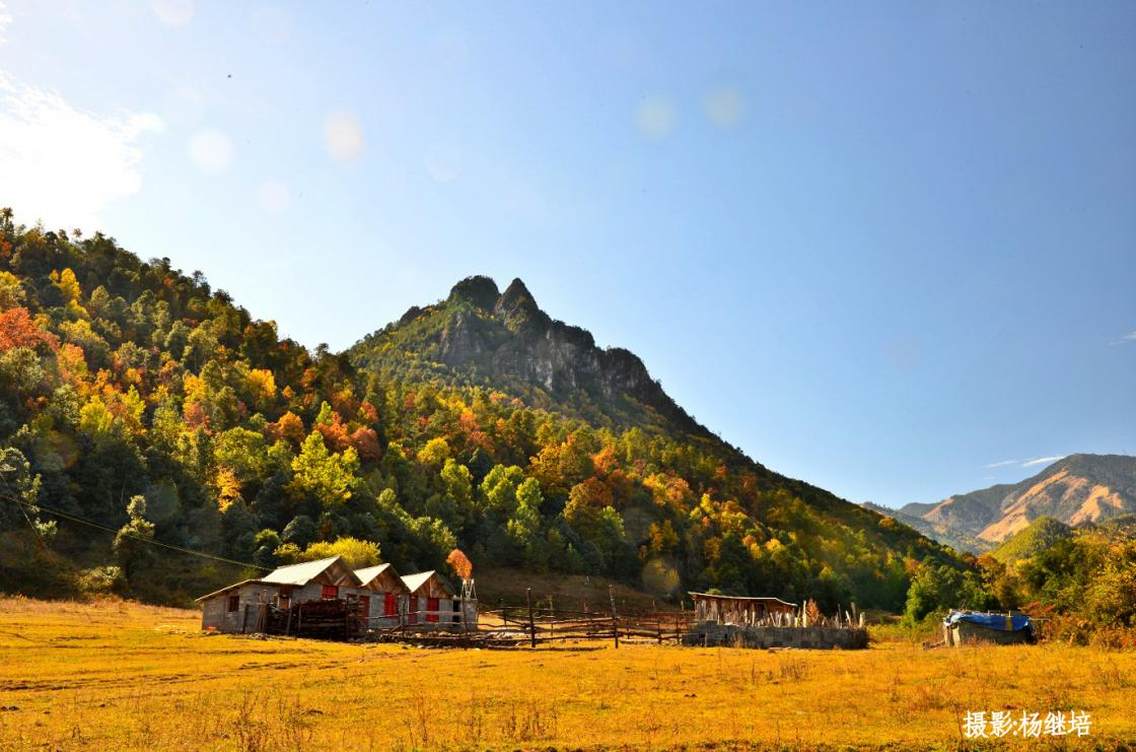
x=460, y=563
x=123, y=378
x=17, y=329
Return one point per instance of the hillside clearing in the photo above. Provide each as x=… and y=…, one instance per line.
x=115, y=675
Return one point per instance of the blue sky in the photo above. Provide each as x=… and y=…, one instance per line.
x=887, y=248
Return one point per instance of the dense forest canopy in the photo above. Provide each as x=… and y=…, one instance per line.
x=141, y=399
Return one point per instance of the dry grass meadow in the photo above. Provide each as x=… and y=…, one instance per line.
x=119, y=676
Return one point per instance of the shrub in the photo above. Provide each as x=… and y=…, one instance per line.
x=100, y=581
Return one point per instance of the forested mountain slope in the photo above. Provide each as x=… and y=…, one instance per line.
x=140, y=399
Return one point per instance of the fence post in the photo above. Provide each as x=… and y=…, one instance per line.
x=614, y=616
x=532, y=626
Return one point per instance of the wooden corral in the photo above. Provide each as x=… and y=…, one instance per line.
x=763, y=622
x=735, y=609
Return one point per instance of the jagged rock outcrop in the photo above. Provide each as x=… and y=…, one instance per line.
x=505, y=337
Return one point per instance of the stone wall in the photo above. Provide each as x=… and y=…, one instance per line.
x=712, y=634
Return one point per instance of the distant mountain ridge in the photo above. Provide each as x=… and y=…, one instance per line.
x=1076, y=490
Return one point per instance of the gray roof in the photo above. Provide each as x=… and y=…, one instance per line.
x=299, y=574
x=293, y=574
x=740, y=598
x=416, y=580
x=367, y=574
x=228, y=588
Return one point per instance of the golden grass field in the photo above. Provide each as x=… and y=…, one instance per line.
x=120, y=676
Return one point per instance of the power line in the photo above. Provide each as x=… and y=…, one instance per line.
x=32, y=525
x=151, y=541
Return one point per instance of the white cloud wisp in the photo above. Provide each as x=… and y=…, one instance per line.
x=61, y=164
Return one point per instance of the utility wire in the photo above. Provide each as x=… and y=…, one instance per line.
x=172, y=547
x=32, y=525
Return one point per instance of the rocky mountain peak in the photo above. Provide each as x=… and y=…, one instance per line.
x=505, y=339
x=477, y=290
x=516, y=294
x=519, y=310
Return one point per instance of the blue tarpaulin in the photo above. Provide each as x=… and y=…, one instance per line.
x=1002, y=622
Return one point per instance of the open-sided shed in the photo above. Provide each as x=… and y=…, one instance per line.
x=738, y=609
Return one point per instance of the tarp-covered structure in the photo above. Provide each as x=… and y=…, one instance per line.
x=961, y=627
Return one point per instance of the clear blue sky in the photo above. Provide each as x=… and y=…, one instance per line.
x=890, y=249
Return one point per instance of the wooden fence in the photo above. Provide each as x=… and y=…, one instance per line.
x=529, y=624
x=543, y=623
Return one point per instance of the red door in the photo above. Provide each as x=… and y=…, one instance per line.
x=390, y=607
x=412, y=616
x=431, y=609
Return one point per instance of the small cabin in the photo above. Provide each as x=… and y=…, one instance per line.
x=431, y=602
x=322, y=579
x=738, y=609
x=243, y=607
x=326, y=598
x=383, y=596
x=238, y=608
